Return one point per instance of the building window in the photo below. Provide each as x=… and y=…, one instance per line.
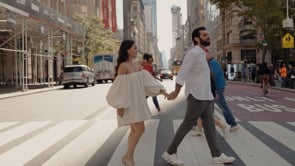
x=248, y=34
x=248, y=56
x=135, y=8
x=228, y=38
x=82, y=1
x=74, y=1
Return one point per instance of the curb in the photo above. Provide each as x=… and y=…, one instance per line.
x=34, y=91
x=255, y=84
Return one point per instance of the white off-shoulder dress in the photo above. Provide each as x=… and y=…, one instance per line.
x=129, y=91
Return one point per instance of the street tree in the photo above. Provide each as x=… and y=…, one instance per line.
x=265, y=15
x=225, y=7
x=98, y=39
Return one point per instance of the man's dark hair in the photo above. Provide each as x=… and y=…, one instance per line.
x=196, y=33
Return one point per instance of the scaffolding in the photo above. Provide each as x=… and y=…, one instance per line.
x=28, y=53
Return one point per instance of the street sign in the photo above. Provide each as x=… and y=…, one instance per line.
x=264, y=43
x=288, y=41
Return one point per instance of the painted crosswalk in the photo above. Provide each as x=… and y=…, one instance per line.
x=80, y=140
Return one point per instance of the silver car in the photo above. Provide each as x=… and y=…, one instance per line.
x=77, y=75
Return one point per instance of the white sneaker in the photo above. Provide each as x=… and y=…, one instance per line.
x=194, y=128
x=225, y=131
x=222, y=159
x=171, y=158
x=234, y=128
x=197, y=133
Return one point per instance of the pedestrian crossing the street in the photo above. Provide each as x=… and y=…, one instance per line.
x=75, y=142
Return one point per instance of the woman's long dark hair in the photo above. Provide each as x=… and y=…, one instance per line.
x=123, y=55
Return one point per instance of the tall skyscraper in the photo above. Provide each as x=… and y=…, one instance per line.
x=153, y=5
x=176, y=23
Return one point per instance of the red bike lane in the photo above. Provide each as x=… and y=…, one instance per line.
x=248, y=103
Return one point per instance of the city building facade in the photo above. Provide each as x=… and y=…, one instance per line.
x=36, y=41
x=150, y=11
x=134, y=23
x=177, y=50
x=233, y=42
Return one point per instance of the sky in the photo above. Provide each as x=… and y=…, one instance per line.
x=164, y=22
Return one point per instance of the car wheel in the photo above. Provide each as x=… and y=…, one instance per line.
x=86, y=84
x=66, y=86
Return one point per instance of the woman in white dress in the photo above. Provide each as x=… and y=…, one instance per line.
x=128, y=95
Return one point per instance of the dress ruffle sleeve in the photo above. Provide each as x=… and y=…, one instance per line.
x=118, y=95
x=152, y=87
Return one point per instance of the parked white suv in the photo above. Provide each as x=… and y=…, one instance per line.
x=77, y=75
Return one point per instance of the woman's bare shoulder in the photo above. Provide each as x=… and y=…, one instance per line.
x=122, y=69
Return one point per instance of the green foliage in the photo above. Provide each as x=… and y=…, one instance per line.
x=224, y=4
x=266, y=15
x=98, y=40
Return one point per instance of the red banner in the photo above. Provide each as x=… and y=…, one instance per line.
x=105, y=14
x=114, y=17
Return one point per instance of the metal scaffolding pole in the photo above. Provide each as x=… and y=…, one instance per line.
x=49, y=58
x=16, y=65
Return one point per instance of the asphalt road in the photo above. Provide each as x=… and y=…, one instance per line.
x=77, y=127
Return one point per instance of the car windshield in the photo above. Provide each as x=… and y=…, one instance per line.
x=165, y=71
x=73, y=69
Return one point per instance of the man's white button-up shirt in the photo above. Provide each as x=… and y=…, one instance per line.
x=195, y=74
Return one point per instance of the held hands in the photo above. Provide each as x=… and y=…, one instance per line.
x=172, y=95
x=164, y=93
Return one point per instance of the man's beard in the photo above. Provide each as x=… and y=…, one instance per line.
x=204, y=42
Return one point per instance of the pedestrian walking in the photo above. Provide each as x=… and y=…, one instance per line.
x=283, y=74
x=128, y=95
x=147, y=65
x=195, y=74
x=253, y=73
x=220, y=85
x=217, y=122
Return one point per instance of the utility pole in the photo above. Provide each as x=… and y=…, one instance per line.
x=288, y=26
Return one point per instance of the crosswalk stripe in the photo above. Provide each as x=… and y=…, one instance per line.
x=219, y=114
x=20, y=131
x=193, y=150
x=24, y=152
x=193, y=146
x=76, y=155
x=291, y=123
x=277, y=132
x=251, y=150
x=145, y=151
x=109, y=113
x=290, y=99
x=4, y=125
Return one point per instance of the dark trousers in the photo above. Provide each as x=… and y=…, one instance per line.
x=195, y=109
x=155, y=101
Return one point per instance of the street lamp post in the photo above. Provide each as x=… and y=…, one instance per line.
x=287, y=25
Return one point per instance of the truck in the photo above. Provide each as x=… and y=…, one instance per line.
x=104, y=67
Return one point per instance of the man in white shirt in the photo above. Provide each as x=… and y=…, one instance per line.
x=195, y=74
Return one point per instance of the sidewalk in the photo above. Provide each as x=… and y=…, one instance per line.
x=12, y=91
x=258, y=85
